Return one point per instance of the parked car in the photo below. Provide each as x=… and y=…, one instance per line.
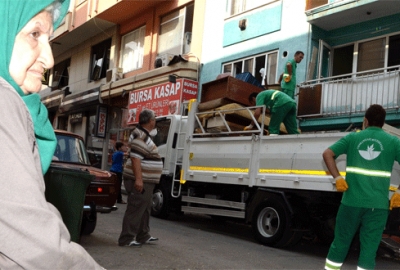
x=101, y=195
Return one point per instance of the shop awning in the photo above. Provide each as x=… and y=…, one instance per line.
x=52, y=99
x=76, y=101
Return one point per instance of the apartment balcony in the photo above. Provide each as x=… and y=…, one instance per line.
x=334, y=14
x=351, y=94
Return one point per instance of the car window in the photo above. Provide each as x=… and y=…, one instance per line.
x=70, y=149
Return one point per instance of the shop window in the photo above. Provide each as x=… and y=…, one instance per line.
x=371, y=54
x=61, y=74
x=263, y=67
x=238, y=6
x=343, y=60
x=94, y=145
x=176, y=32
x=100, y=60
x=132, y=50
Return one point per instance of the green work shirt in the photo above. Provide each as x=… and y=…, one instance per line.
x=272, y=98
x=292, y=84
x=370, y=157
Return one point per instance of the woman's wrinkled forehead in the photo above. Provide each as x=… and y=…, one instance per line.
x=43, y=21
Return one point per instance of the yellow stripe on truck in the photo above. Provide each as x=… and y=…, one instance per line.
x=218, y=169
x=276, y=171
x=279, y=171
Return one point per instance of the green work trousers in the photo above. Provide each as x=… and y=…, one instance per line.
x=289, y=92
x=371, y=223
x=286, y=114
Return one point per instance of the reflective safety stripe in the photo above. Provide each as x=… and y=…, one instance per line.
x=332, y=265
x=298, y=172
x=368, y=172
x=218, y=169
x=273, y=95
x=274, y=171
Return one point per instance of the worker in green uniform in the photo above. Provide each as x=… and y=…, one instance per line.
x=287, y=80
x=282, y=108
x=365, y=203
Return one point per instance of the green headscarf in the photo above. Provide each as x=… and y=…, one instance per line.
x=14, y=15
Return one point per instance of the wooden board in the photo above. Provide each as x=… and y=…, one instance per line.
x=240, y=117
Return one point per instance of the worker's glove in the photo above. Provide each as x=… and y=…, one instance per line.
x=249, y=127
x=287, y=78
x=395, y=200
x=341, y=184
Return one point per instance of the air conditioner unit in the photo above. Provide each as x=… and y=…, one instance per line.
x=163, y=59
x=114, y=74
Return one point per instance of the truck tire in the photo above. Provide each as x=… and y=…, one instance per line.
x=89, y=221
x=271, y=224
x=161, y=199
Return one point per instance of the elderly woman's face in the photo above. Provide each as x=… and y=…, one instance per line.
x=32, y=54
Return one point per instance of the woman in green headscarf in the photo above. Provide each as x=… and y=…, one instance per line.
x=32, y=233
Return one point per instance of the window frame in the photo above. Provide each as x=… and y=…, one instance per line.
x=65, y=67
x=182, y=36
x=356, y=50
x=265, y=54
x=121, y=60
x=228, y=11
x=106, y=58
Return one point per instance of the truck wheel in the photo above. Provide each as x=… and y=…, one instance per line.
x=161, y=198
x=89, y=221
x=271, y=224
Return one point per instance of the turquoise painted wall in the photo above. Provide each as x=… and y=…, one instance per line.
x=260, y=23
x=360, y=31
x=293, y=35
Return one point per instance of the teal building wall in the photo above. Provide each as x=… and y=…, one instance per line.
x=282, y=26
x=260, y=23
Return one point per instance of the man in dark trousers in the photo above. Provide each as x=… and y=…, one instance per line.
x=141, y=173
x=282, y=108
x=287, y=80
x=365, y=203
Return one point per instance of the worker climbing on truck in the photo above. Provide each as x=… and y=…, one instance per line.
x=282, y=108
x=370, y=157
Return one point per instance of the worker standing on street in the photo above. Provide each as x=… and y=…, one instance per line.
x=282, y=108
x=287, y=80
x=370, y=157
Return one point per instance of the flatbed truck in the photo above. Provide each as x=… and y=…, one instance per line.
x=278, y=184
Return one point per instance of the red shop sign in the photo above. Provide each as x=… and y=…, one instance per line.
x=164, y=99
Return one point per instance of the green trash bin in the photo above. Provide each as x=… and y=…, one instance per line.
x=66, y=189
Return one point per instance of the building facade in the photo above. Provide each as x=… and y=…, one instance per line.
x=253, y=36
x=354, y=62
x=106, y=49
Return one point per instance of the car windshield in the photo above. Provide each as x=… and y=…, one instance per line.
x=70, y=149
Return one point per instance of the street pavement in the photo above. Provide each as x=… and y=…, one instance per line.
x=199, y=242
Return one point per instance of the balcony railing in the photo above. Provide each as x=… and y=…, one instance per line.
x=354, y=93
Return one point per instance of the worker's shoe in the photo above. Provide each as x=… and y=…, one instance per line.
x=134, y=243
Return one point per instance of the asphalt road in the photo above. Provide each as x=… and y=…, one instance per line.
x=199, y=242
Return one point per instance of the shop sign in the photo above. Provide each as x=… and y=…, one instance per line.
x=76, y=118
x=101, y=122
x=164, y=99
